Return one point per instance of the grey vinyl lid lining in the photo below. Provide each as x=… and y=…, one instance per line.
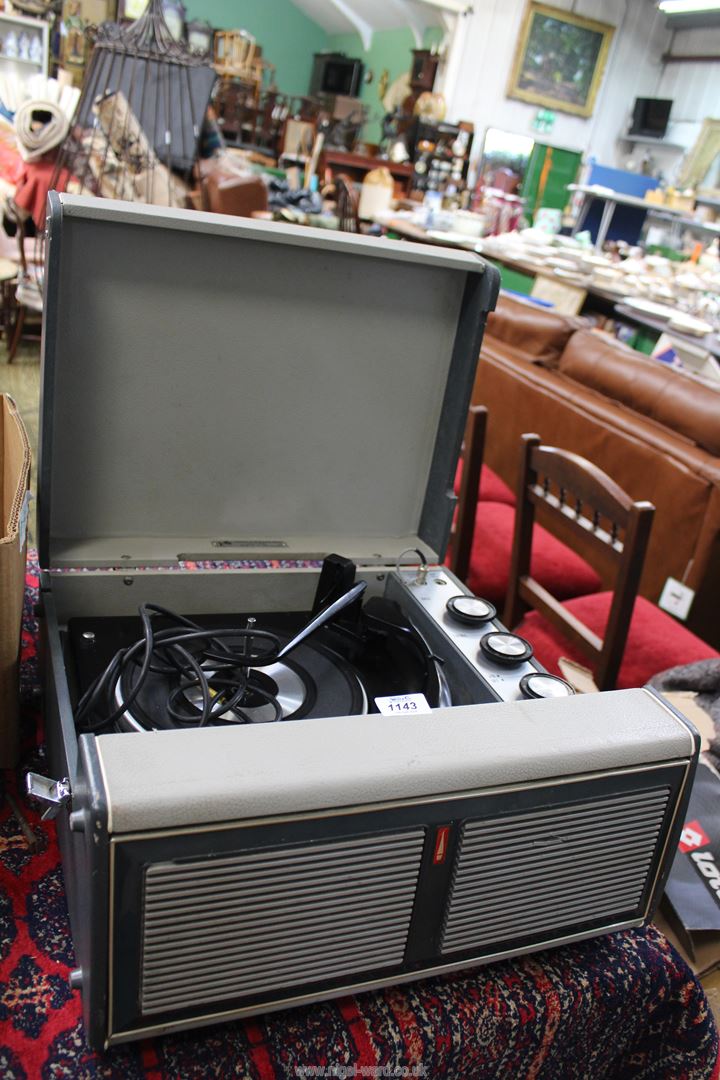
x=212, y=377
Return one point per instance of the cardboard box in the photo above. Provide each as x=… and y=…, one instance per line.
x=704, y=956
x=15, y=473
x=691, y=905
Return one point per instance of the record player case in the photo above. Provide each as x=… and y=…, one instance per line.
x=218, y=388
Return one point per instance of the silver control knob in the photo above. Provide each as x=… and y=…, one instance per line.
x=470, y=610
x=506, y=648
x=541, y=685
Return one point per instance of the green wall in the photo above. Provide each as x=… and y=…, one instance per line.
x=288, y=38
x=391, y=49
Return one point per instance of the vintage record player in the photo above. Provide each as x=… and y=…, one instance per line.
x=334, y=770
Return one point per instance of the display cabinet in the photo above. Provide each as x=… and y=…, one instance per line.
x=24, y=46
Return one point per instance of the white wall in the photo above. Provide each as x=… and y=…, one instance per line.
x=694, y=88
x=486, y=43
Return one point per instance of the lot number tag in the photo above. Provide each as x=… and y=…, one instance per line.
x=402, y=704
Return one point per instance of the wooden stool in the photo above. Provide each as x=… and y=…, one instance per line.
x=9, y=308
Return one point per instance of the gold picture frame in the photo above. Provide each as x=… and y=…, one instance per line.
x=559, y=59
x=699, y=159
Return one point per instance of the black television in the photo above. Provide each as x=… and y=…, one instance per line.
x=336, y=73
x=650, y=117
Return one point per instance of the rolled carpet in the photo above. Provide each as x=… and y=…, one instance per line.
x=40, y=126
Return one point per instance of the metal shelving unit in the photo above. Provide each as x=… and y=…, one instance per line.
x=648, y=140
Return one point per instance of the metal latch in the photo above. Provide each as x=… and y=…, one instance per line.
x=53, y=793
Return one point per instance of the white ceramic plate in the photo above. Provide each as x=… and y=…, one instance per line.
x=453, y=239
x=570, y=275
x=649, y=307
x=688, y=324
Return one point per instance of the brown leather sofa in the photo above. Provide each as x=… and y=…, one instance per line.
x=656, y=431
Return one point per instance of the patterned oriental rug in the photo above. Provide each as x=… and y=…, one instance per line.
x=624, y=1006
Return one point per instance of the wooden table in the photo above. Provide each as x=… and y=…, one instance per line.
x=603, y=301
x=711, y=342
x=409, y=231
x=357, y=165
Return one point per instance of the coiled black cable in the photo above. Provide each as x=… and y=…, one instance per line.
x=202, y=660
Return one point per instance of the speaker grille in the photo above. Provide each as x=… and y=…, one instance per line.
x=222, y=928
x=527, y=873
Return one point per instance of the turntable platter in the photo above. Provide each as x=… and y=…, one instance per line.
x=162, y=670
x=316, y=682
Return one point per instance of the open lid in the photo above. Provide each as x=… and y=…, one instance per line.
x=216, y=387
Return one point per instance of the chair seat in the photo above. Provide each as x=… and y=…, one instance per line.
x=556, y=566
x=492, y=488
x=655, y=641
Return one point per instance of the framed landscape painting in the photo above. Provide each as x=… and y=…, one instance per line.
x=559, y=60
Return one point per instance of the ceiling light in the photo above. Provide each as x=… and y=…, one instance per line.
x=685, y=7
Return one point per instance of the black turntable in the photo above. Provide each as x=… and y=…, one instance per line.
x=335, y=661
x=161, y=670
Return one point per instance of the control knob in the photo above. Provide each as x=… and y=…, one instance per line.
x=470, y=610
x=541, y=685
x=505, y=648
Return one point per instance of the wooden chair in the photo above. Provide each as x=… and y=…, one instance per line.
x=463, y=532
x=236, y=55
x=483, y=530
x=8, y=304
x=347, y=203
x=579, y=499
